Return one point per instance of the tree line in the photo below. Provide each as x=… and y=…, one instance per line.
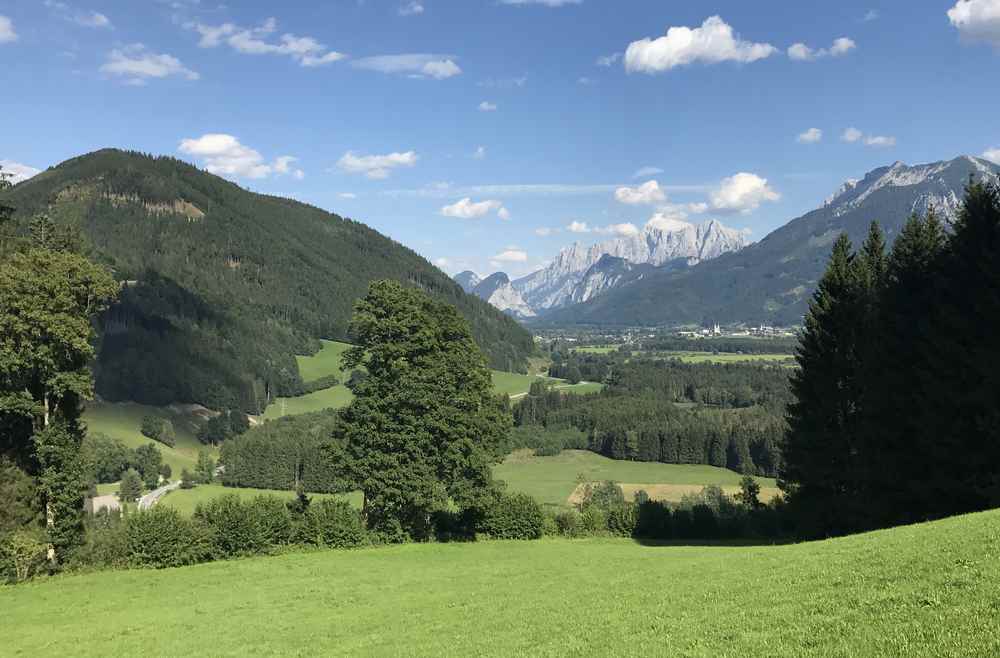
x=896, y=416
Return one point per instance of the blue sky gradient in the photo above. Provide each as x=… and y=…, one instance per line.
x=507, y=105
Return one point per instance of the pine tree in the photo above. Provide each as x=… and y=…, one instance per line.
x=130, y=487
x=821, y=453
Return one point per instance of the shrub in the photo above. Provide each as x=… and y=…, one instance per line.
x=549, y=526
x=161, y=537
x=513, y=516
x=238, y=528
x=166, y=472
x=332, y=523
x=22, y=554
x=187, y=480
x=593, y=521
x=455, y=526
x=130, y=487
x=274, y=518
x=654, y=521
x=568, y=522
x=104, y=542
x=158, y=429
x=622, y=520
x=605, y=495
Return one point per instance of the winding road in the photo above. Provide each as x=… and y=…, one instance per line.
x=155, y=495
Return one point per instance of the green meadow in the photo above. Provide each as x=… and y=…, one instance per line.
x=325, y=362
x=551, y=480
x=725, y=357
x=924, y=590
x=122, y=421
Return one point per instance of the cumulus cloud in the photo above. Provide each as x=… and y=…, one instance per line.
x=646, y=194
x=713, y=42
x=810, y=136
x=7, y=33
x=608, y=60
x=742, y=192
x=307, y=51
x=977, y=20
x=646, y=172
x=376, y=167
x=136, y=64
x=578, y=227
x=90, y=19
x=620, y=230
x=468, y=209
x=853, y=135
x=17, y=171
x=412, y=8
x=993, y=155
x=802, y=53
x=224, y=155
x=487, y=106
x=668, y=221
x=415, y=65
x=511, y=255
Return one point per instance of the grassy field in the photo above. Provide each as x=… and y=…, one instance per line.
x=516, y=385
x=122, y=421
x=926, y=590
x=334, y=397
x=551, y=480
x=596, y=349
x=325, y=362
x=185, y=500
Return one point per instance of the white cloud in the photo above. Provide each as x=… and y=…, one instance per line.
x=646, y=172
x=18, y=171
x=545, y=231
x=801, y=52
x=442, y=263
x=608, y=60
x=412, y=8
x=851, y=135
x=416, y=65
x=510, y=255
x=307, y=51
x=480, y=153
x=137, y=65
x=545, y=3
x=645, y=194
x=870, y=15
x=810, y=136
x=91, y=19
x=224, y=155
x=977, y=20
x=620, y=230
x=993, y=155
x=376, y=167
x=348, y=195
x=880, y=140
x=742, y=192
x=668, y=222
x=578, y=227
x=7, y=33
x=437, y=191
x=503, y=83
x=468, y=209
x=711, y=43
x=487, y=106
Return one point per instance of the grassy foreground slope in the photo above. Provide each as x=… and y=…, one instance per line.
x=927, y=590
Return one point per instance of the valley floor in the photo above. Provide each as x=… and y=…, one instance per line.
x=926, y=590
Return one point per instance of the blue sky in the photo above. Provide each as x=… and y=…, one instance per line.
x=480, y=132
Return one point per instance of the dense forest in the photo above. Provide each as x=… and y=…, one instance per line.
x=221, y=286
x=727, y=415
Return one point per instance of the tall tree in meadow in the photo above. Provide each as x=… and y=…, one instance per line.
x=425, y=426
x=964, y=411
x=821, y=451
x=48, y=299
x=901, y=455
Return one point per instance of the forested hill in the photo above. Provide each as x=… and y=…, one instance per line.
x=223, y=286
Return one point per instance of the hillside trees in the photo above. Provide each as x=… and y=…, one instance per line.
x=424, y=426
x=48, y=298
x=899, y=422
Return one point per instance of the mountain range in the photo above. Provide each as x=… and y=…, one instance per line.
x=580, y=273
x=772, y=280
x=222, y=287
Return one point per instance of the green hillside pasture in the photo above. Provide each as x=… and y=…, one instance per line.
x=122, y=420
x=185, y=500
x=516, y=385
x=552, y=480
x=596, y=349
x=324, y=363
x=335, y=397
x=923, y=590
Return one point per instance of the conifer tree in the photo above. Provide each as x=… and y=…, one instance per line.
x=821, y=453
